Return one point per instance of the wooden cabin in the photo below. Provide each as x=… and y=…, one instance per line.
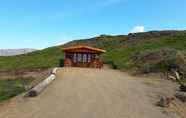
x=83, y=56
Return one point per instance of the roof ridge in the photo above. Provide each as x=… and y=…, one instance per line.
x=84, y=46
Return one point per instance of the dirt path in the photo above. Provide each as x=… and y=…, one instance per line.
x=89, y=93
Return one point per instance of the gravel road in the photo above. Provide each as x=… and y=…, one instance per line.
x=88, y=93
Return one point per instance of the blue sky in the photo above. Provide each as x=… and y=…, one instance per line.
x=44, y=23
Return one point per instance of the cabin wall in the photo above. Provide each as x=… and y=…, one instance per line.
x=90, y=60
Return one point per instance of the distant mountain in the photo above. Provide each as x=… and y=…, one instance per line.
x=13, y=52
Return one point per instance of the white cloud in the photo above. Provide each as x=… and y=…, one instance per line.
x=138, y=29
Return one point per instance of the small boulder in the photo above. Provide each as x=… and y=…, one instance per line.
x=183, y=88
x=181, y=96
x=165, y=101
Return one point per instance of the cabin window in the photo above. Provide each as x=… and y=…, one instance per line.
x=84, y=58
x=75, y=58
x=79, y=57
x=89, y=58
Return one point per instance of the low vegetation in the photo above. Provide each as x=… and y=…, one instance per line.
x=160, y=60
x=42, y=59
x=155, y=51
x=120, y=50
x=123, y=51
x=11, y=88
x=122, y=56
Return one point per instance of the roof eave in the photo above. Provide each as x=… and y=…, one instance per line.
x=87, y=47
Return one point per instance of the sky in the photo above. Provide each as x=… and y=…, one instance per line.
x=43, y=23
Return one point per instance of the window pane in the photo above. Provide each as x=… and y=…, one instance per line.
x=75, y=58
x=89, y=57
x=84, y=58
x=79, y=57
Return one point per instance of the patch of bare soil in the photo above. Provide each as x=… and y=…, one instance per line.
x=4, y=75
x=95, y=93
x=31, y=77
x=179, y=108
x=158, y=87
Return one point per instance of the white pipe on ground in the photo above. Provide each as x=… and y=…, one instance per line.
x=54, y=71
x=41, y=86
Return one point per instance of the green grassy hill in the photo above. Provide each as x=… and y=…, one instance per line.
x=41, y=59
x=155, y=51
x=120, y=50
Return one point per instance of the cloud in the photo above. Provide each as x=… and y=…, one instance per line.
x=138, y=29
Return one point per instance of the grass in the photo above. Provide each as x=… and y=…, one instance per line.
x=120, y=49
x=43, y=59
x=122, y=56
x=11, y=88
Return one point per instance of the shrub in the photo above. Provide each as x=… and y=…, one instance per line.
x=160, y=60
x=112, y=64
x=11, y=88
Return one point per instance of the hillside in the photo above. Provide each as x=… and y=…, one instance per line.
x=41, y=59
x=13, y=52
x=156, y=51
x=121, y=50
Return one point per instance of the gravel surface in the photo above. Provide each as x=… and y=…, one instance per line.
x=91, y=93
